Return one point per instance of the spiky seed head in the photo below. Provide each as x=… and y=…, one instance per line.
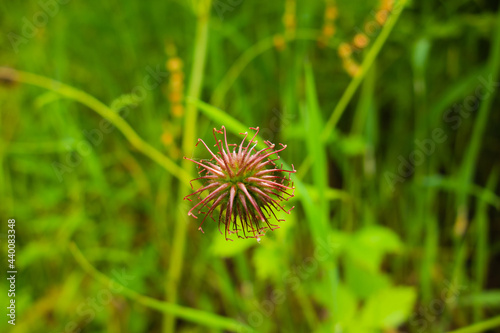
x=244, y=183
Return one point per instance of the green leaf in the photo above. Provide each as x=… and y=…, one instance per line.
x=364, y=283
x=339, y=240
x=353, y=145
x=348, y=305
x=389, y=308
x=313, y=123
x=370, y=244
x=267, y=260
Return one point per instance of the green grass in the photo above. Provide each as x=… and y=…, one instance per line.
x=103, y=240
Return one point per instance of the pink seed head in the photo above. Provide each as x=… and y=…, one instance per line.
x=244, y=184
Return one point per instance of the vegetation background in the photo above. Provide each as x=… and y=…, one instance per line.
x=391, y=121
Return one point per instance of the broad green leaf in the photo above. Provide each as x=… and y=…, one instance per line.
x=268, y=261
x=364, y=283
x=338, y=241
x=389, y=308
x=347, y=305
x=370, y=244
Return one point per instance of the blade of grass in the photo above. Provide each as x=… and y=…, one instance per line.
x=448, y=184
x=356, y=81
x=480, y=327
x=423, y=222
x=482, y=234
x=452, y=93
x=365, y=66
x=188, y=139
x=312, y=122
x=193, y=315
x=468, y=166
x=320, y=228
x=251, y=53
x=108, y=114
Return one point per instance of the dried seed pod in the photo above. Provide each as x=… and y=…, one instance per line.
x=245, y=185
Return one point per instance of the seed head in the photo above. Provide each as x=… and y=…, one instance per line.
x=245, y=184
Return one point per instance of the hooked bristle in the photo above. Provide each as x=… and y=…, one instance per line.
x=244, y=185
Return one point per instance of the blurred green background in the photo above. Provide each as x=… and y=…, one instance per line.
x=390, y=114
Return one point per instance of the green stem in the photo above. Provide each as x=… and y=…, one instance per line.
x=251, y=53
x=356, y=81
x=196, y=316
x=480, y=327
x=365, y=66
x=108, y=114
x=468, y=167
x=188, y=143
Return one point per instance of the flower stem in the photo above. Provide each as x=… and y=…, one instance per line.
x=197, y=316
x=250, y=54
x=480, y=327
x=107, y=113
x=356, y=81
x=194, y=90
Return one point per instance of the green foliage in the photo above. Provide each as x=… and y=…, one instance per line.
x=91, y=157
